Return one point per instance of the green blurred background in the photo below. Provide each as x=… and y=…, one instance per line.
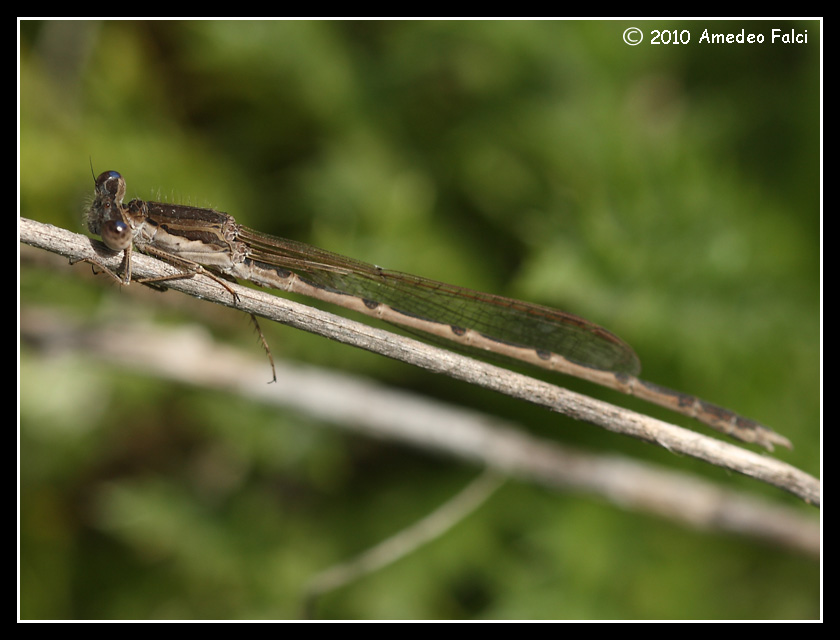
x=670, y=193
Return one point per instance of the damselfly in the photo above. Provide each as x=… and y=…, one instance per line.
x=213, y=243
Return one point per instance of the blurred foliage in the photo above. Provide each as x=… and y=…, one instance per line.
x=670, y=193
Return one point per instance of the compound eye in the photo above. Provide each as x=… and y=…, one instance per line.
x=116, y=235
x=111, y=184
